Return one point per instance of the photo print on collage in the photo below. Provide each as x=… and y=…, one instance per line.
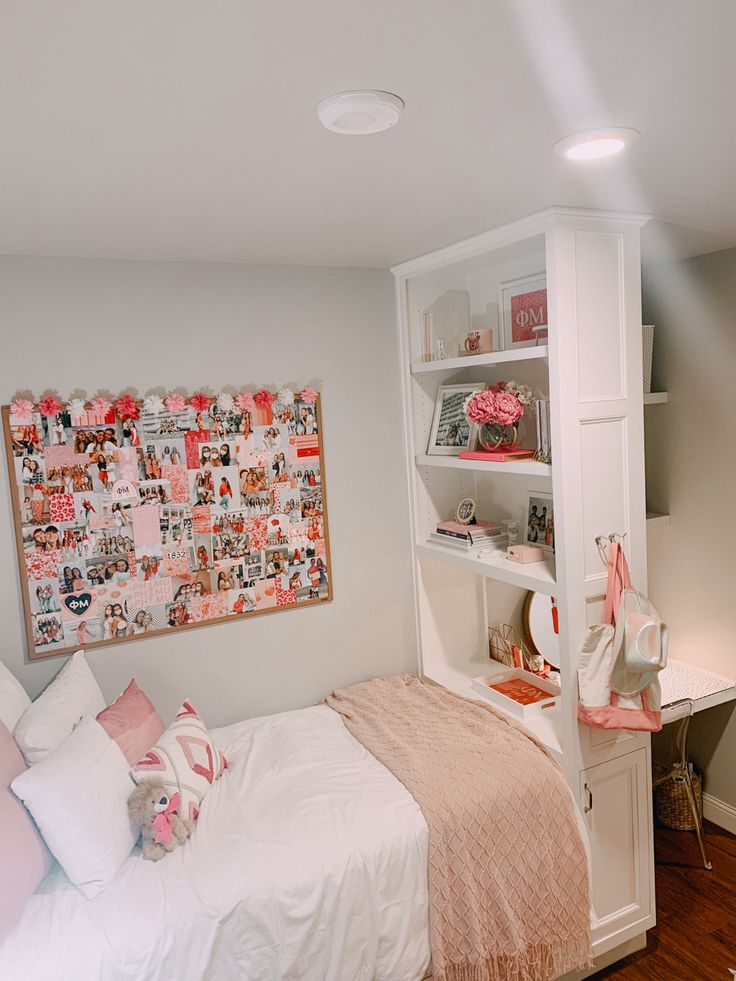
x=141, y=516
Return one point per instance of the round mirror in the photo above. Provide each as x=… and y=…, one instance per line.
x=541, y=627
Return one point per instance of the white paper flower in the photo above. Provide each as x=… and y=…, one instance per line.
x=285, y=397
x=225, y=402
x=76, y=408
x=523, y=393
x=153, y=404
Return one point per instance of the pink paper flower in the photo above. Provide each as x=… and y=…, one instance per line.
x=508, y=408
x=263, y=398
x=49, y=406
x=100, y=406
x=21, y=409
x=309, y=395
x=245, y=402
x=200, y=402
x=126, y=407
x=175, y=402
x=480, y=407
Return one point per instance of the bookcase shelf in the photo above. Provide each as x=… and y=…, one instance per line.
x=590, y=261
x=496, y=357
x=537, y=576
x=459, y=678
x=528, y=468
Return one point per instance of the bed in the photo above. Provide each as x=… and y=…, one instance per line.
x=309, y=862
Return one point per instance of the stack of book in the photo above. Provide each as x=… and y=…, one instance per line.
x=483, y=534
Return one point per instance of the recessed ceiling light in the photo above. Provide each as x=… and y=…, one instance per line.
x=596, y=144
x=360, y=113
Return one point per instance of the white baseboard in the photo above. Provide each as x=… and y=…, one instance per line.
x=720, y=813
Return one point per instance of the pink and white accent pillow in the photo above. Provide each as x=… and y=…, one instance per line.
x=185, y=759
x=133, y=722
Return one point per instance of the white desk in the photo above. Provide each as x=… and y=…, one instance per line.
x=681, y=680
x=686, y=690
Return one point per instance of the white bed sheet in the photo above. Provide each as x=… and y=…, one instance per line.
x=309, y=862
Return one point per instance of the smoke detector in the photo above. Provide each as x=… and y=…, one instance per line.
x=360, y=113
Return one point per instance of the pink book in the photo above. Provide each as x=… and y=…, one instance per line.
x=501, y=456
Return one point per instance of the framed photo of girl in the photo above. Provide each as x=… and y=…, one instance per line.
x=540, y=520
x=522, y=312
x=451, y=433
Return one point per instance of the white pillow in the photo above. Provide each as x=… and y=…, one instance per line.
x=78, y=797
x=14, y=699
x=57, y=710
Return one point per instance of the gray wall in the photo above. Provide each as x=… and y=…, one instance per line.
x=69, y=324
x=691, y=472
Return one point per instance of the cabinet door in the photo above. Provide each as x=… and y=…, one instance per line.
x=616, y=802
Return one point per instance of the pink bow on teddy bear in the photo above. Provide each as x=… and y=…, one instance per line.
x=162, y=822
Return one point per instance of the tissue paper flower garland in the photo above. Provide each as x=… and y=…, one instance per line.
x=127, y=407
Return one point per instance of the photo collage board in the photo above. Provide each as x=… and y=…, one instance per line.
x=131, y=526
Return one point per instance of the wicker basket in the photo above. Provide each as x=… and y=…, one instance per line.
x=671, y=806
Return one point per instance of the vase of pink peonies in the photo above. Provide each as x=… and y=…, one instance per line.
x=496, y=411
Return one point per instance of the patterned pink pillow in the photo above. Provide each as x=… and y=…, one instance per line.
x=24, y=858
x=185, y=759
x=132, y=722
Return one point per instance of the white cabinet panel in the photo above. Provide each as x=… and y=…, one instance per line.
x=615, y=802
x=600, y=317
x=604, y=471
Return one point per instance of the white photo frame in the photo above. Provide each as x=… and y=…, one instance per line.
x=451, y=433
x=539, y=520
x=522, y=312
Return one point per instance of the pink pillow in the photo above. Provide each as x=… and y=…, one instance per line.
x=24, y=858
x=132, y=722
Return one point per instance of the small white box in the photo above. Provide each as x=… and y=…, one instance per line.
x=482, y=685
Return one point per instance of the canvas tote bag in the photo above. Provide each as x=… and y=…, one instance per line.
x=626, y=651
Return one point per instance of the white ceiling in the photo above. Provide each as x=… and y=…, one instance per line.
x=183, y=129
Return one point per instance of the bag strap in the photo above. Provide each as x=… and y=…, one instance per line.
x=618, y=580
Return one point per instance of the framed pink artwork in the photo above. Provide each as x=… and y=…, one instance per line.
x=522, y=307
x=139, y=517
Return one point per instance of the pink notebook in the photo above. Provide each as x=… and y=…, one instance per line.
x=454, y=527
x=501, y=456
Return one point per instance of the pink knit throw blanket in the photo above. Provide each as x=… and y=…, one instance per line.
x=508, y=877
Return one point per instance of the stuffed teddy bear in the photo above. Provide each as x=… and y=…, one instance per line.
x=156, y=816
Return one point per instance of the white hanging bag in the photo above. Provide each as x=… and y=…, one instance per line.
x=620, y=658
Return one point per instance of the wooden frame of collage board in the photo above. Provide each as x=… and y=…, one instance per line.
x=324, y=592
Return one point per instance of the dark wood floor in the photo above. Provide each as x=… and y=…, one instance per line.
x=695, y=936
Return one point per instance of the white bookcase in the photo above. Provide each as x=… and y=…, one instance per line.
x=591, y=366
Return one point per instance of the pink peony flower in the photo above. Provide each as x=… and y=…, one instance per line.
x=21, y=409
x=263, y=398
x=481, y=407
x=175, y=402
x=309, y=395
x=126, y=407
x=200, y=402
x=100, y=406
x=49, y=406
x=245, y=402
x=508, y=408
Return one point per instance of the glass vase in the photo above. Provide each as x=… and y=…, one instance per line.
x=492, y=436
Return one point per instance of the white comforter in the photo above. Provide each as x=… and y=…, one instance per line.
x=308, y=862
